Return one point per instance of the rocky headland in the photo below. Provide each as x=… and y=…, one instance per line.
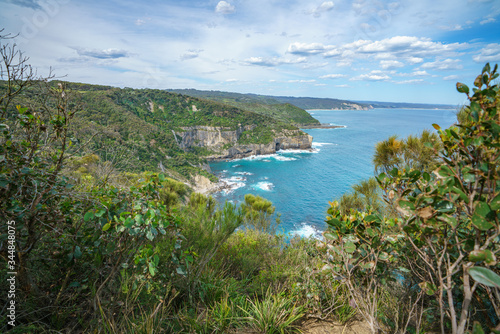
x=226, y=144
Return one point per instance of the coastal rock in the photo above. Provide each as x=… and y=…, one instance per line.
x=224, y=141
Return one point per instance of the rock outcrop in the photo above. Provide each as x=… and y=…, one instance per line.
x=224, y=141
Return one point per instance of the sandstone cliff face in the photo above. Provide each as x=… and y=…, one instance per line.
x=225, y=141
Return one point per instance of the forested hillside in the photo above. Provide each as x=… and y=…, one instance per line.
x=140, y=129
x=264, y=105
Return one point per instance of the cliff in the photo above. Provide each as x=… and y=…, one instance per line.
x=229, y=144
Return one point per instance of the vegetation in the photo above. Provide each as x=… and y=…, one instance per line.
x=264, y=105
x=137, y=130
x=100, y=247
x=402, y=105
x=321, y=103
x=443, y=235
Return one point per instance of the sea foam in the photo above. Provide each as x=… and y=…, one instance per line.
x=266, y=186
x=306, y=231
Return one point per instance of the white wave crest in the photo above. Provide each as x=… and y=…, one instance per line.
x=266, y=186
x=306, y=231
x=282, y=158
x=321, y=144
x=228, y=185
x=243, y=173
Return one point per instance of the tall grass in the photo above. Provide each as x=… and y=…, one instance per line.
x=275, y=313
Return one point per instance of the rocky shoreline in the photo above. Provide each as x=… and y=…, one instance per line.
x=322, y=126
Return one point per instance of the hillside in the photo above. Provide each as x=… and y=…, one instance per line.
x=152, y=130
x=403, y=105
x=322, y=103
x=263, y=105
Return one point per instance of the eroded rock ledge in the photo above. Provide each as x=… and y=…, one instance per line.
x=225, y=141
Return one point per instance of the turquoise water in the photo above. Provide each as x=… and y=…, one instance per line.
x=300, y=183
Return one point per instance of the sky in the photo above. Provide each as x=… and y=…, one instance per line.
x=398, y=51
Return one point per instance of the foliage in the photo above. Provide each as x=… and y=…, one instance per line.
x=366, y=196
x=276, y=313
x=263, y=105
x=363, y=251
x=416, y=152
x=448, y=226
x=258, y=214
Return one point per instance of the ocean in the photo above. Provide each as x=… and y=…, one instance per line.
x=300, y=183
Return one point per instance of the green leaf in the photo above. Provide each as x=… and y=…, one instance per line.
x=330, y=236
x=100, y=212
x=477, y=329
x=77, y=253
x=334, y=222
x=152, y=268
x=349, y=247
x=88, y=216
x=74, y=284
x=106, y=227
x=486, y=68
x=161, y=177
x=485, y=276
x=435, y=126
x=444, y=206
x=393, y=172
x=495, y=203
x=406, y=205
x=372, y=218
x=481, y=223
x=429, y=288
x=445, y=171
x=477, y=256
x=128, y=223
x=371, y=232
x=482, y=209
x=461, y=88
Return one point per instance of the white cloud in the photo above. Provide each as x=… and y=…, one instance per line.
x=301, y=81
x=332, y=76
x=102, y=54
x=453, y=27
x=419, y=73
x=308, y=49
x=442, y=65
x=191, y=54
x=390, y=64
x=415, y=60
x=488, y=20
x=412, y=81
x=451, y=77
x=342, y=86
x=413, y=49
x=372, y=76
x=271, y=62
x=224, y=7
x=490, y=53
x=324, y=7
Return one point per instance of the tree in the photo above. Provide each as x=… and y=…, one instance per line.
x=411, y=151
x=258, y=213
x=449, y=218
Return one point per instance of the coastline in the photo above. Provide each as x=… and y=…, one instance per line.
x=322, y=126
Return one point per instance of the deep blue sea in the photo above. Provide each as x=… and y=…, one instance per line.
x=300, y=183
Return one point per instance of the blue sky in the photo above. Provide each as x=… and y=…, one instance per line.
x=401, y=51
